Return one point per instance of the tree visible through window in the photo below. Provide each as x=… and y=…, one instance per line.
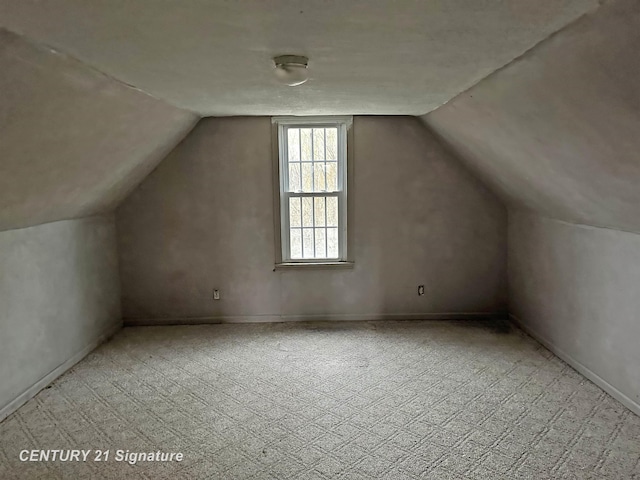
x=313, y=188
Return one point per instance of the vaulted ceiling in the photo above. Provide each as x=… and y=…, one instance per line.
x=86, y=118
x=73, y=142
x=558, y=130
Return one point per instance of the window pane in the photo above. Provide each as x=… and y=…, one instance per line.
x=321, y=243
x=320, y=212
x=307, y=177
x=318, y=177
x=332, y=176
x=307, y=245
x=312, y=169
x=294, y=212
x=296, y=243
x=307, y=212
x=318, y=144
x=332, y=144
x=332, y=211
x=294, y=177
x=332, y=243
x=305, y=139
x=293, y=140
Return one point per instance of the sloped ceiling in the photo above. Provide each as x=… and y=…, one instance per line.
x=558, y=131
x=366, y=56
x=73, y=142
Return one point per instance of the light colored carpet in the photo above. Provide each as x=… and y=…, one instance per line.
x=392, y=400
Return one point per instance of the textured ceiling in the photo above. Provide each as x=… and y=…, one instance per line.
x=73, y=142
x=558, y=131
x=367, y=56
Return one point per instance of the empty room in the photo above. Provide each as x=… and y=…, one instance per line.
x=320, y=239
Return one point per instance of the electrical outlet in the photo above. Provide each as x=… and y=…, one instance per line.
x=420, y=290
x=216, y=294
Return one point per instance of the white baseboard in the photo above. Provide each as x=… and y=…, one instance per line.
x=579, y=367
x=353, y=317
x=33, y=390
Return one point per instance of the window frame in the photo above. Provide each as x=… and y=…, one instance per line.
x=281, y=125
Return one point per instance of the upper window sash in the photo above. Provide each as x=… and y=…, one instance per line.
x=342, y=123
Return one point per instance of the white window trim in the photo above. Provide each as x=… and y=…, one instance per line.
x=344, y=124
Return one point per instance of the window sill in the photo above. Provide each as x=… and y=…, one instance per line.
x=313, y=265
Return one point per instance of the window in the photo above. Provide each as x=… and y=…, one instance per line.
x=312, y=167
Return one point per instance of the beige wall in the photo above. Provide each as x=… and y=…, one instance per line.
x=576, y=288
x=203, y=219
x=59, y=297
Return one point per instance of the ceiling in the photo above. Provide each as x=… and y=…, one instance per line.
x=366, y=56
x=73, y=142
x=556, y=132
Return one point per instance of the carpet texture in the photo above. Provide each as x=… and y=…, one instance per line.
x=367, y=400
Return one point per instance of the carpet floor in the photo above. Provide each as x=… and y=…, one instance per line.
x=366, y=400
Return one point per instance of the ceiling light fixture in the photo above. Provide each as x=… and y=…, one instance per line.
x=292, y=69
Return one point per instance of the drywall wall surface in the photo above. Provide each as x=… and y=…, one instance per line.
x=557, y=130
x=365, y=56
x=59, y=293
x=576, y=288
x=73, y=142
x=204, y=219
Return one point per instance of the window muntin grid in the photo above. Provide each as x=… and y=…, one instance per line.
x=313, y=227
x=313, y=193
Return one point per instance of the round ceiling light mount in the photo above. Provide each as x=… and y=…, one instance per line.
x=291, y=70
